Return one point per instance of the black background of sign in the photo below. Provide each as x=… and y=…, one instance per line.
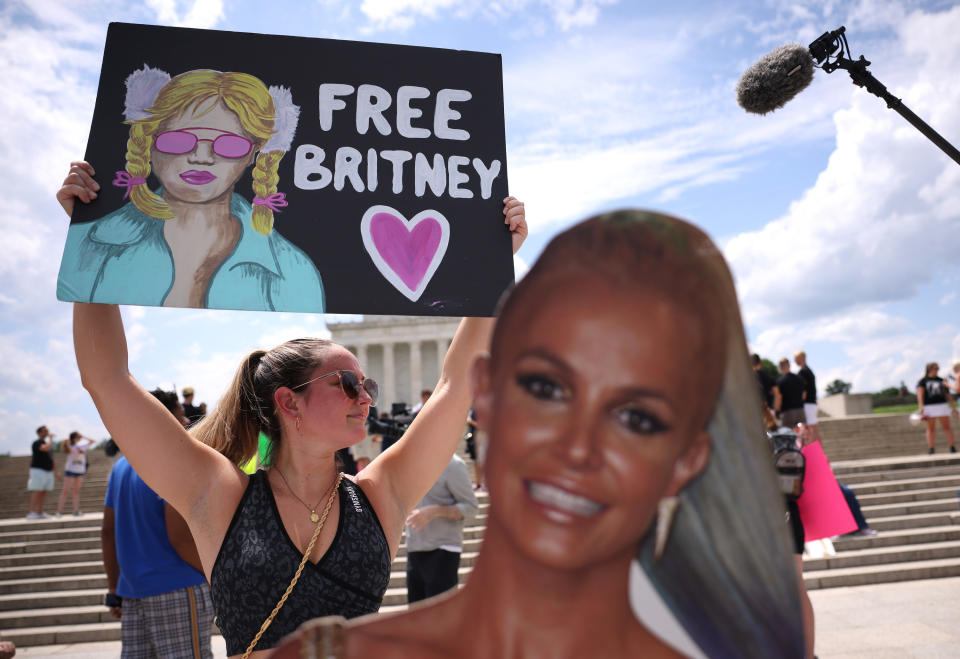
x=325, y=223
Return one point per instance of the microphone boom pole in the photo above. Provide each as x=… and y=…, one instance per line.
x=834, y=44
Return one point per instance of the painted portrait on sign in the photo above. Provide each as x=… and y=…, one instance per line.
x=196, y=239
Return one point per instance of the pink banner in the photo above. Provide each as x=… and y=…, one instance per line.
x=823, y=509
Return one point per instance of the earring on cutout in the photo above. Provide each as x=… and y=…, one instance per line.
x=666, y=510
x=299, y=421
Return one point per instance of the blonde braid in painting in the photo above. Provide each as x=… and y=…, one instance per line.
x=138, y=167
x=264, y=186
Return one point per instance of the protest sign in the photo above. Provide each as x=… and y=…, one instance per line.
x=250, y=171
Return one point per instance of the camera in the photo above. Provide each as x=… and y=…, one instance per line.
x=392, y=426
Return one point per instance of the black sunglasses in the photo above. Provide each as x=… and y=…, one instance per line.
x=350, y=384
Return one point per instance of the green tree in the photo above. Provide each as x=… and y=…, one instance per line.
x=838, y=386
x=770, y=368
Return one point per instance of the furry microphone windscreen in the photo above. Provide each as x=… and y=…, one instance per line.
x=775, y=79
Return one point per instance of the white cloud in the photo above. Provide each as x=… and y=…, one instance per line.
x=402, y=15
x=198, y=14
x=575, y=13
x=878, y=350
x=947, y=299
x=881, y=220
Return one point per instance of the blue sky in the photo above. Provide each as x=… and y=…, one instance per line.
x=840, y=221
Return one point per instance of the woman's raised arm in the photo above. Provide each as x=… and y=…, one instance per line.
x=179, y=468
x=400, y=477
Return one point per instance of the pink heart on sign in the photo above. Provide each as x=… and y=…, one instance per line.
x=407, y=252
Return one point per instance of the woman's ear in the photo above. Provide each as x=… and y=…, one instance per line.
x=482, y=394
x=285, y=402
x=690, y=463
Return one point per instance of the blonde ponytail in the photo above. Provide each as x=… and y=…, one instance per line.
x=233, y=428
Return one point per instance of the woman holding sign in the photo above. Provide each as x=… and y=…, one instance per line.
x=195, y=242
x=298, y=540
x=599, y=455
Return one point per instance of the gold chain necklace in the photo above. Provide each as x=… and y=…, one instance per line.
x=303, y=561
x=314, y=517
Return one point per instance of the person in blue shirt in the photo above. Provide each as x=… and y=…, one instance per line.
x=154, y=579
x=194, y=241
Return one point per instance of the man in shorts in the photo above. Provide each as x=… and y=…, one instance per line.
x=42, y=472
x=155, y=582
x=810, y=394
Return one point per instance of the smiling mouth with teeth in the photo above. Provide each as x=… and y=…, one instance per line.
x=559, y=499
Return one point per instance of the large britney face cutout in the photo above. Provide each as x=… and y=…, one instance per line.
x=593, y=413
x=201, y=174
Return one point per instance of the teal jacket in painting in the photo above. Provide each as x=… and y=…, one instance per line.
x=123, y=258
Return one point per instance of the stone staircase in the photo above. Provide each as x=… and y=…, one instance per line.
x=874, y=435
x=913, y=504
x=52, y=582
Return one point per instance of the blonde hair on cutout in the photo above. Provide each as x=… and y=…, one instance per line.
x=243, y=94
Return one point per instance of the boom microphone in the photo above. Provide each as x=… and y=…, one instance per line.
x=784, y=73
x=775, y=79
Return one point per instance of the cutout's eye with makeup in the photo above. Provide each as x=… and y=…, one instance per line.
x=640, y=421
x=542, y=386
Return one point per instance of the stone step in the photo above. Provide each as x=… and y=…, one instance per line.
x=64, y=634
x=53, y=584
x=900, y=522
x=67, y=521
x=7, y=537
x=64, y=615
x=56, y=598
x=910, y=508
x=53, y=570
x=899, y=538
x=50, y=557
x=882, y=478
x=49, y=545
x=869, y=574
x=905, y=485
x=928, y=494
x=884, y=555
x=898, y=464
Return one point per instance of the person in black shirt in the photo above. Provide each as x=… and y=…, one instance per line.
x=193, y=412
x=788, y=394
x=765, y=380
x=41, y=472
x=935, y=401
x=766, y=383
x=810, y=393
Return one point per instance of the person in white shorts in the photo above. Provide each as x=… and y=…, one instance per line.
x=42, y=472
x=810, y=394
x=935, y=401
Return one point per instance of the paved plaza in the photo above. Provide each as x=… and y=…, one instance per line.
x=906, y=620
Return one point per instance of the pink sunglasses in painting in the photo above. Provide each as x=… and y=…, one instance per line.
x=178, y=142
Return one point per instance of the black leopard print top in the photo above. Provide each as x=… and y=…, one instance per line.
x=257, y=560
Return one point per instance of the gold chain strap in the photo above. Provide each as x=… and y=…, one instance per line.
x=296, y=576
